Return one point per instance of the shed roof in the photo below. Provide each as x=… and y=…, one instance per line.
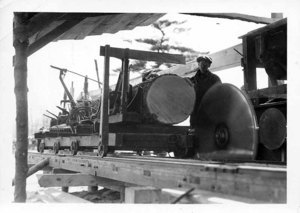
x=46, y=27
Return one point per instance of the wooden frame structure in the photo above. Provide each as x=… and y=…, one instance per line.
x=26, y=42
x=32, y=31
x=261, y=183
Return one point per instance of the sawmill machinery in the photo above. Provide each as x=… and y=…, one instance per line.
x=266, y=48
x=233, y=124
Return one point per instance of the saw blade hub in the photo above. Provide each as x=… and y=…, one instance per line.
x=221, y=136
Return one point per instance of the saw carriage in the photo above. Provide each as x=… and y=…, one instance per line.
x=234, y=124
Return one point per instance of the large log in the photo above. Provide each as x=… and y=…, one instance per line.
x=167, y=99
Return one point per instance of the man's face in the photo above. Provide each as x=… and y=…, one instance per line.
x=203, y=65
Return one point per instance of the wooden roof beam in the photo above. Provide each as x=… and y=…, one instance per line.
x=52, y=35
x=42, y=20
x=238, y=16
x=144, y=55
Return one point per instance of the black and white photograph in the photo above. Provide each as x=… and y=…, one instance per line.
x=116, y=105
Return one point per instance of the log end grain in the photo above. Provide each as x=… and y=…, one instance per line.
x=170, y=99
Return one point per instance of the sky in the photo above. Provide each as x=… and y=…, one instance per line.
x=206, y=34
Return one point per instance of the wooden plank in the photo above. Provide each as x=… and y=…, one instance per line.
x=227, y=58
x=51, y=36
x=86, y=26
x=144, y=55
x=67, y=180
x=127, y=21
x=223, y=59
x=264, y=183
x=81, y=30
x=121, y=23
x=270, y=92
x=238, y=16
x=107, y=23
x=45, y=31
x=151, y=18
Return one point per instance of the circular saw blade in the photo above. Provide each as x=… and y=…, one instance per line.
x=226, y=125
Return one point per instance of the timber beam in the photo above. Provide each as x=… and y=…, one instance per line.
x=238, y=16
x=270, y=92
x=143, y=55
x=223, y=59
x=67, y=180
x=260, y=182
x=52, y=35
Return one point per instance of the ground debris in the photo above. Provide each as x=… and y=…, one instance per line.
x=100, y=196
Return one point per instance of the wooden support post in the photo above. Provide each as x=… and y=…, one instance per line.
x=104, y=103
x=142, y=195
x=125, y=82
x=20, y=73
x=249, y=64
x=122, y=194
x=65, y=189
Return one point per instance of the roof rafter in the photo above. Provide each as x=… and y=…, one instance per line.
x=52, y=35
x=238, y=16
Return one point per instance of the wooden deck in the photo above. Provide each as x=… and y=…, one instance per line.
x=261, y=183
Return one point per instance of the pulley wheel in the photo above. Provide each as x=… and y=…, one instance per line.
x=226, y=125
x=272, y=128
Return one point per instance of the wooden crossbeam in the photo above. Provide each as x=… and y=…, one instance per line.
x=238, y=16
x=223, y=59
x=66, y=180
x=52, y=35
x=144, y=55
x=41, y=21
x=227, y=58
x=281, y=23
x=270, y=92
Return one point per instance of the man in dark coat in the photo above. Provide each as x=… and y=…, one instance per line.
x=202, y=81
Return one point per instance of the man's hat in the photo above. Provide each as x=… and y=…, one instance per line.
x=204, y=58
